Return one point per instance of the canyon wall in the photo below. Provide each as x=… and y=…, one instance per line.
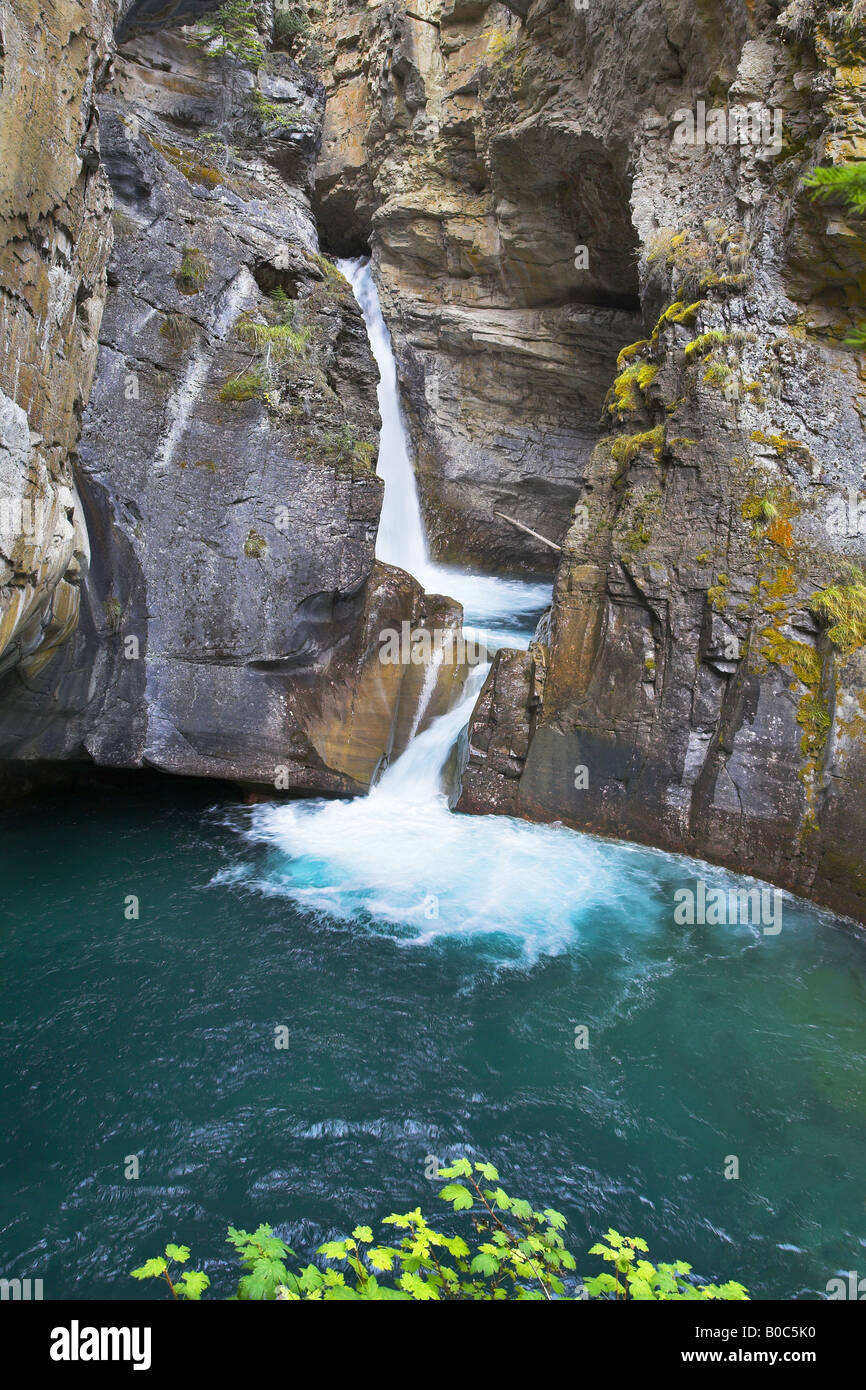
x=201, y=594
x=55, y=208
x=699, y=684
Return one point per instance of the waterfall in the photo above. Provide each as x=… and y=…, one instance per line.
x=401, y=540
x=399, y=860
x=400, y=856
x=500, y=612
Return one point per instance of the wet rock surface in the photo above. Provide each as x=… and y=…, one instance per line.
x=697, y=693
x=225, y=469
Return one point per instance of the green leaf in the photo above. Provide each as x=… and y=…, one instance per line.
x=362, y=1233
x=601, y=1284
x=487, y=1171
x=418, y=1287
x=484, y=1264
x=638, y=1288
x=556, y=1218
x=180, y=1253
x=194, y=1284
x=461, y=1168
x=458, y=1195
x=333, y=1250
x=151, y=1269
x=381, y=1258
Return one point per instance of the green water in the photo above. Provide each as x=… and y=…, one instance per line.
x=156, y=1037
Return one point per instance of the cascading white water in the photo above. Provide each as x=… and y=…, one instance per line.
x=493, y=608
x=400, y=856
x=487, y=601
x=401, y=540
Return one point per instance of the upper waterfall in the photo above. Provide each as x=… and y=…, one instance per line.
x=499, y=612
x=401, y=540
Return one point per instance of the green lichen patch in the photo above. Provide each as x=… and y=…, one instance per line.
x=770, y=507
x=255, y=545
x=625, y=449
x=804, y=662
x=678, y=312
x=629, y=386
x=717, y=594
x=192, y=166
x=644, y=512
x=705, y=342
x=632, y=350
x=718, y=374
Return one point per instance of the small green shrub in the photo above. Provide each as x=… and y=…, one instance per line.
x=113, y=610
x=290, y=25
x=634, y=379
x=231, y=33
x=178, y=330
x=626, y=447
x=718, y=374
x=762, y=509
x=705, y=342
x=246, y=386
x=843, y=608
x=190, y=1285
x=844, y=184
x=511, y=1252
x=282, y=339
x=346, y=451
x=503, y=51
x=331, y=272
x=194, y=168
x=191, y=278
x=271, y=113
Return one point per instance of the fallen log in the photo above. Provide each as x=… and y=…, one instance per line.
x=529, y=531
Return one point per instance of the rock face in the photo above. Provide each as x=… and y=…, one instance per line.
x=704, y=662
x=55, y=208
x=229, y=624
x=478, y=176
